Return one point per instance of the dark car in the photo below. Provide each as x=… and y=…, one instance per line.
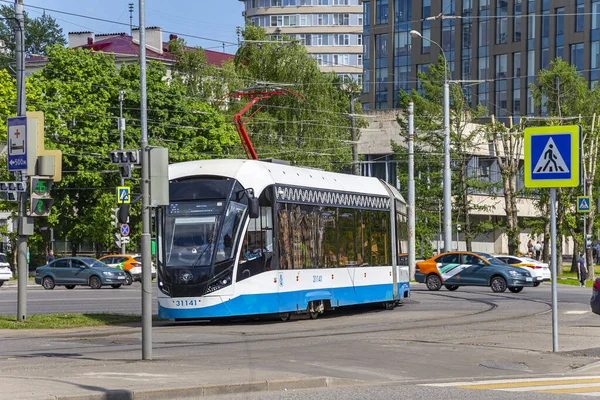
x=465, y=268
x=595, y=300
x=72, y=271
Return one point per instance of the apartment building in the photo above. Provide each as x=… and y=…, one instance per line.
x=331, y=30
x=504, y=42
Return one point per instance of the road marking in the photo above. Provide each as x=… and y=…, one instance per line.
x=582, y=386
x=576, y=312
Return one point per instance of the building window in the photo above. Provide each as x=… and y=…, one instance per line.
x=577, y=56
x=426, y=8
x=426, y=44
x=381, y=12
x=517, y=21
x=580, y=16
x=501, y=22
x=596, y=15
x=276, y=3
x=484, y=31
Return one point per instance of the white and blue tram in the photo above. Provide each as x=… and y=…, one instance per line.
x=245, y=237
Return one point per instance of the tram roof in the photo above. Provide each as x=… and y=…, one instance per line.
x=260, y=174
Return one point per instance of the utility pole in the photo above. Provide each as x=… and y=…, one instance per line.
x=122, y=139
x=355, y=166
x=22, y=219
x=131, y=18
x=411, y=190
x=146, y=250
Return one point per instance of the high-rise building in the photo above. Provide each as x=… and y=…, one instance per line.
x=331, y=30
x=504, y=43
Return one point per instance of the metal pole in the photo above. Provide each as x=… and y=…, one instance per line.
x=554, y=269
x=447, y=173
x=355, y=165
x=440, y=231
x=146, y=255
x=21, y=111
x=411, y=190
x=121, y=133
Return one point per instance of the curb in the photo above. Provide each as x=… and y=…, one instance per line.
x=214, y=390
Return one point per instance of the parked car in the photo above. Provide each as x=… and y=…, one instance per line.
x=130, y=263
x=595, y=300
x=539, y=270
x=5, y=271
x=85, y=271
x=463, y=268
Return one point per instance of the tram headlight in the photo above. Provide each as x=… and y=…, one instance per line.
x=219, y=284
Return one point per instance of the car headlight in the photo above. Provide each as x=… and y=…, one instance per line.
x=108, y=273
x=513, y=273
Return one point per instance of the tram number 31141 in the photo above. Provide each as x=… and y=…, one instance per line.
x=317, y=278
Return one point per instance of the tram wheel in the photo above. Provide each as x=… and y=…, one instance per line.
x=285, y=317
x=313, y=314
x=389, y=305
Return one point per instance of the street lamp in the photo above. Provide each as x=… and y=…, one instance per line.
x=447, y=174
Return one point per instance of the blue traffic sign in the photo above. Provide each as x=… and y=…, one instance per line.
x=125, y=230
x=123, y=195
x=17, y=144
x=552, y=156
x=583, y=203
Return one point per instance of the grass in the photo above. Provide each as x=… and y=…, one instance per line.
x=570, y=278
x=68, y=321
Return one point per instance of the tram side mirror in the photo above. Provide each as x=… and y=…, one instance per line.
x=253, y=208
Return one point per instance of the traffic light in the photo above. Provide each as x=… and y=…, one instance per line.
x=115, y=217
x=117, y=241
x=9, y=190
x=125, y=171
x=588, y=241
x=125, y=156
x=41, y=202
x=123, y=213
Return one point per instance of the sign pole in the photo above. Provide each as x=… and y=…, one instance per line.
x=554, y=269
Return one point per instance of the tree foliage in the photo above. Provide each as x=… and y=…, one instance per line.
x=40, y=33
x=565, y=96
x=429, y=112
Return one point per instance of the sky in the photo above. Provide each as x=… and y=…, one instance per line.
x=208, y=19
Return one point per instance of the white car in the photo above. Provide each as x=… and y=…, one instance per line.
x=5, y=271
x=538, y=269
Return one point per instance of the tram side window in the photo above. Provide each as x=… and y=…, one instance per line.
x=347, y=225
x=328, y=237
x=257, y=248
x=401, y=233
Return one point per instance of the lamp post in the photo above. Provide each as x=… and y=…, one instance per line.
x=447, y=174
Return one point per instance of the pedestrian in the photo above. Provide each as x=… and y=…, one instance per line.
x=530, y=248
x=538, y=250
x=597, y=247
x=582, y=271
x=50, y=257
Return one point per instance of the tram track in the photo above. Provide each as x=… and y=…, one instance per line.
x=316, y=331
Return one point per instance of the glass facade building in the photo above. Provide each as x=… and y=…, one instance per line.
x=331, y=30
x=502, y=42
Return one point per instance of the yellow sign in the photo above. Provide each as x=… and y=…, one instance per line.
x=123, y=195
x=552, y=156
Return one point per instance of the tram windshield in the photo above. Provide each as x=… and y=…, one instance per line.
x=194, y=230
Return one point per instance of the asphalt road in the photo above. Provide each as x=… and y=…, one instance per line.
x=433, y=338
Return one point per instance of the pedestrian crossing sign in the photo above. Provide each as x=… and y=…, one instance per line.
x=583, y=204
x=552, y=156
x=123, y=195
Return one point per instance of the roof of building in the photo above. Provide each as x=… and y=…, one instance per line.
x=123, y=44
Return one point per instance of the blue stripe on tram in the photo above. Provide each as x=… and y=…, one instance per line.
x=272, y=303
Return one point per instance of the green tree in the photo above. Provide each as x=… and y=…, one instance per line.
x=428, y=125
x=313, y=130
x=564, y=94
x=78, y=92
x=40, y=33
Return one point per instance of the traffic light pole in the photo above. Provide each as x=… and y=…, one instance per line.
x=122, y=140
x=21, y=111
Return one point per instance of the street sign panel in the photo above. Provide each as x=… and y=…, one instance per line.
x=584, y=204
x=123, y=195
x=552, y=156
x=124, y=239
x=124, y=230
x=17, y=144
